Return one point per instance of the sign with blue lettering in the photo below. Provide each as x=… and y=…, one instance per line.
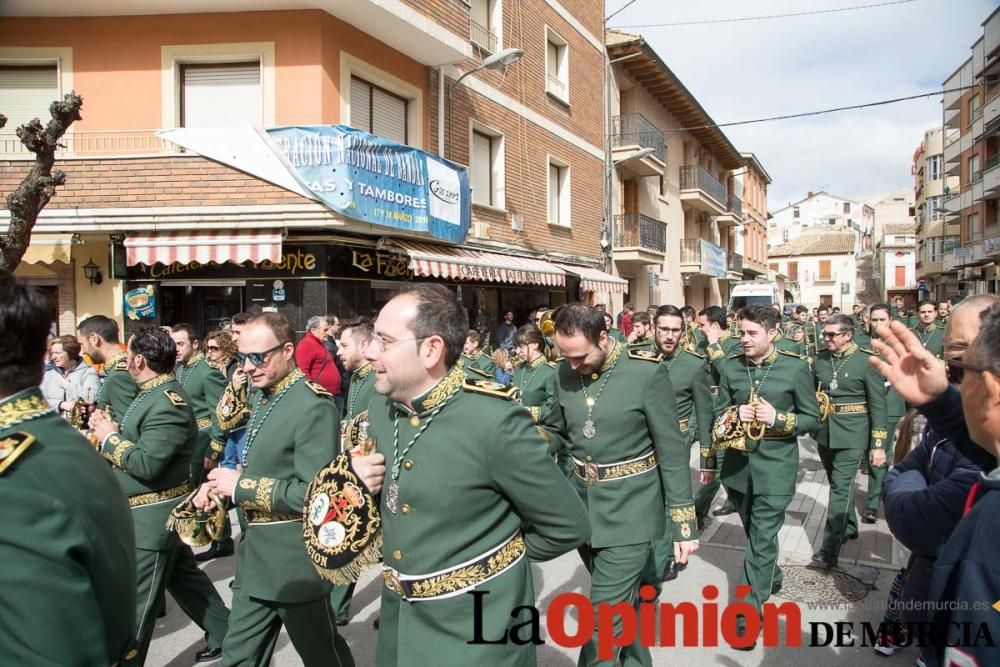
x=378, y=181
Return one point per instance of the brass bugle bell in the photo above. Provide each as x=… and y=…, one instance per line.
x=195, y=527
x=755, y=429
x=546, y=324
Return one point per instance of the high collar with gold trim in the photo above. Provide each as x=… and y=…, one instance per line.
x=725, y=335
x=847, y=351
x=929, y=328
x=115, y=358
x=363, y=372
x=22, y=406
x=612, y=358
x=450, y=384
x=285, y=382
x=538, y=361
x=194, y=359
x=153, y=383
x=767, y=361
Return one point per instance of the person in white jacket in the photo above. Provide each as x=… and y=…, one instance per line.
x=70, y=378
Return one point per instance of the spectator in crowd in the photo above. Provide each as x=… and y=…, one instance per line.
x=313, y=358
x=625, y=323
x=504, y=334
x=966, y=568
x=221, y=351
x=70, y=379
x=642, y=330
x=332, y=344
x=615, y=333
x=236, y=324
x=925, y=493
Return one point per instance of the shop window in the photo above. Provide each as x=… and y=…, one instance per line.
x=487, y=168
x=378, y=111
x=558, y=191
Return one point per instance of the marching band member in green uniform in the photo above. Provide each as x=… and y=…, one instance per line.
x=292, y=433
x=814, y=332
x=468, y=493
x=98, y=338
x=150, y=453
x=694, y=339
x=203, y=383
x=534, y=376
x=944, y=312
x=355, y=336
x=617, y=412
x=857, y=420
x=642, y=332
x=67, y=585
x=691, y=380
x=770, y=395
x=931, y=335
x=609, y=324
x=895, y=408
x=476, y=364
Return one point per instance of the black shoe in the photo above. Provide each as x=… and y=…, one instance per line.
x=341, y=622
x=703, y=523
x=214, y=551
x=669, y=572
x=741, y=630
x=375, y=622
x=871, y=516
x=775, y=588
x=822, y=561
x=163, y=610
x=848, y=538
x=208, y=654
x=728, y=508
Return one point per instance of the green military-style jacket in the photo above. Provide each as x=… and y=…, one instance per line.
x=361, y=393
x=789, y=345
x=118, y=389
x=786, y=382
x=863, y=339
x=643, y=343
x=617, y=334
x=635, y=416
x=932, y=338
x=472, y=474
x=859, y=419
x=203, y=382
x=895, y=405
x=717, y=353
x=292, y=433
x=692, y=380
x=67, y=548
x=151, y=457
x=479, y=366
x=536, y=385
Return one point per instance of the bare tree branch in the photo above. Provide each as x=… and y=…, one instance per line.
x=39, y=185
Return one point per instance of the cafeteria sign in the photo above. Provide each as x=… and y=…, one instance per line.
x=374, y=180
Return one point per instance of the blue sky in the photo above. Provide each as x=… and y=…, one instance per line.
x=741, y=71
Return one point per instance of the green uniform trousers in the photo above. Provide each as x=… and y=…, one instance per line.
x=151, y=569
x=340, y=601
x=841, y=467
x=615, y=576
x=254, y=626
x=762, y=517
x=195, y=594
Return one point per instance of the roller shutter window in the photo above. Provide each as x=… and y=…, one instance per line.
x=221, y=94
x=378, y=111
x=26, y=91
x=482, y=168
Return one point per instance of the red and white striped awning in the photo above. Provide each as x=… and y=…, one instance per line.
x=457, y=263
x=236, y=246
x=595, y=280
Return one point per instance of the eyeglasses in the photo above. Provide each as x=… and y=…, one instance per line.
x=212, y=348
x=666, y=330
x=830, y=335
x=256, y=358
x=379, y=343
x=956, y=370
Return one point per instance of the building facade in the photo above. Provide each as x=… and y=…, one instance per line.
x=824, y=211
x=971, y=131
x=820, y=268
x=751, y=238
x=895, y=263
x=935, y=237
x=144, y=208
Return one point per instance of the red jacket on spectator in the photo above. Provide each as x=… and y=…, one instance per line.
x=627, y=324
x=315, y=361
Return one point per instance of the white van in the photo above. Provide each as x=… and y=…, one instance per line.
x=752, y=292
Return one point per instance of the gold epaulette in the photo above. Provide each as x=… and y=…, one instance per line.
x=175, y=398
x=12, y=446
x=695, y=353
x=317, y=388
x=551, y=364
x=645, y=355
x=789, y=353
x=490, y=387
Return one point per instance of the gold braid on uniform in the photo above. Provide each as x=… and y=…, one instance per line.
x=682, y=514
x=22, y=409
x=119, y=447
x=233, y=407
x=879, y=436
x=263, y=488
x=451, y=383
x=784, y=425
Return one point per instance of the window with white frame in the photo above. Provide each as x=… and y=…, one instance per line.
x=487, y=168
x=934, y=207
x=559, y=186
x=378, y=111
x=221, y=94
x=933, y=167
x=556, y=65
x=486, y=24
x=26, y=91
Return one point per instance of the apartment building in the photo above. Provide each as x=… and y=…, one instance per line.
x=751, y=239
x=673, y=198
x=824, y=211
x=156, y=203
x=821, y=268
x=971, y=131
x=935, y=237
x=895, y=263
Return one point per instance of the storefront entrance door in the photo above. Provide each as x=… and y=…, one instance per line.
x=204, y=307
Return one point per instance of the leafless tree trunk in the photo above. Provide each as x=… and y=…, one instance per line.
x=38, y=187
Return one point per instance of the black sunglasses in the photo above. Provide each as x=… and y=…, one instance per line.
x=256, y=358
x=956, y=368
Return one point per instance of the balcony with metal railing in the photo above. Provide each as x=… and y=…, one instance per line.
x=633, y=130
x=556, y=87
x=702, y=190
x=639, y=239
x=703, y=258
x=734, y=264
x=482, y=36
x=95, y=144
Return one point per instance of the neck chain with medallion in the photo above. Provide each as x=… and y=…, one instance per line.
x=143, y=395
x=930, y=332
x=589, y=430
x=392, y=495
x=756, y=386
x=836, y=370
x=252, y=424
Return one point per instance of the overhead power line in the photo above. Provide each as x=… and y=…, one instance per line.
x=766, y=17
x=833, y=110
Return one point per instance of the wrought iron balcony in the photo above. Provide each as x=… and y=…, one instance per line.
x=633, y=129
x=482, y=37
x=635, y=230
x=734, y=262
x=736, y=206
x=696, y=177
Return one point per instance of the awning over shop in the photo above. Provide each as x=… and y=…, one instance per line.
x=436, y=261
x=237, y=246
x=595, y=280
x=48, y=248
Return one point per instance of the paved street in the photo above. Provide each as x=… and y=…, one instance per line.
x=865, y=573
